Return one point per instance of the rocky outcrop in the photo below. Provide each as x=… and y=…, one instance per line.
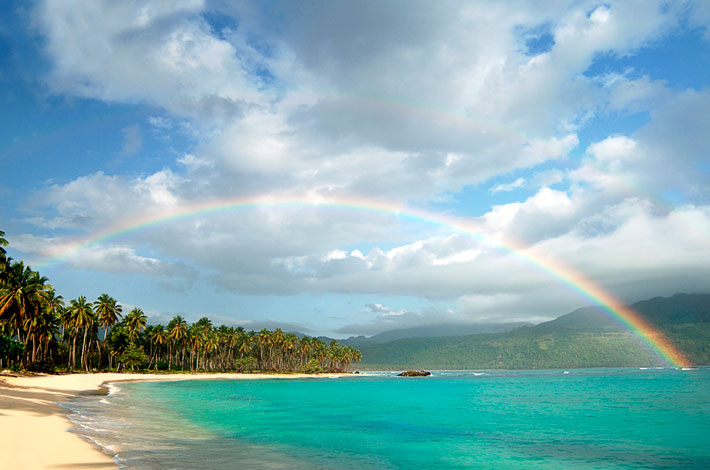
x=414, y=373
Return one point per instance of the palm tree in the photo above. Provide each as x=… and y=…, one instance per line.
x=48, y=324
x=108, y=312
x=277, y=339
x=80, y=315
x=158, y=336
x=290, y=345
x=196, y=338
x=245, y=345
x=22, y=291
x=232, y=339
x=211, y=344
x=135, y=323
x=3, y=253
x=305, y=346
x=264, y=341
x=22, y=294
x=42, y=329
x=177, y=331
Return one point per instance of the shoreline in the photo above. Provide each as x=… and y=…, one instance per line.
x=31, y=414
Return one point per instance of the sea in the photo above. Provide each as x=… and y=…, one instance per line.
x=648, y=418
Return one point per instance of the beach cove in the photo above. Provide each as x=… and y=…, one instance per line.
x=526, y=419
x=35, y=428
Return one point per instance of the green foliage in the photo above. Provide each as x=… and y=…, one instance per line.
x=133, y=358
x=313, y=367
x=527, y=348
x=118, y=340
x=10, y=348
x=245, y=364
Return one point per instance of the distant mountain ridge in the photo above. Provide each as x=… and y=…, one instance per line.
x=677, y=309
x=586, y=337
x=434, y=331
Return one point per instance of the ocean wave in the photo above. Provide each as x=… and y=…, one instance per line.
x=111, y=449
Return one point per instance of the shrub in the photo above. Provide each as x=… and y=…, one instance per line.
x=133, y=357
x=313, y=367
x=10, y=348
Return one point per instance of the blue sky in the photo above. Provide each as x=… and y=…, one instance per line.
x=578, y=128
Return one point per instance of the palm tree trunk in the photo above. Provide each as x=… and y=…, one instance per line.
x=73, y=351
x=34, y=348
x=83, y=349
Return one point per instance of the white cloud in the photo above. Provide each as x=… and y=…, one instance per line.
x=112, y=258
x=518, y=183
x=191, y=162
x=538, y=151
x=543, y=214
x=383, y=311
x=432, y=106
x=162, y=53
x=125, y=260
x=667, y=153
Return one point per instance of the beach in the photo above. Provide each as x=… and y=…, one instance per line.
x=35, y=429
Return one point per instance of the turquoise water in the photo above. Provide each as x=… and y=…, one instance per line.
x=591, y=419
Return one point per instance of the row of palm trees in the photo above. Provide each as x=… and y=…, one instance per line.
x=201, y=346
x=89, y=335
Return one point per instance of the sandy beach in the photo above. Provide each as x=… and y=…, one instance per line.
x=35, y=429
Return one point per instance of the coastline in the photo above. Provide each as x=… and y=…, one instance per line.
x=35, y=431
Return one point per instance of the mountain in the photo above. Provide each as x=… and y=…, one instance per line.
x=586, y=337
x=433, y=331
x=659, y=311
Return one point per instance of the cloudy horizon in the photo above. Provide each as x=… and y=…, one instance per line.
x=576, y=128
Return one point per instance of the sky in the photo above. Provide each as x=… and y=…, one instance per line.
x=365, y=135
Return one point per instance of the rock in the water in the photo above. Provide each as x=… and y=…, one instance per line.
x=414, y=373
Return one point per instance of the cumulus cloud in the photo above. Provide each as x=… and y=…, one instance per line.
x=336, y=119
x=162, y=53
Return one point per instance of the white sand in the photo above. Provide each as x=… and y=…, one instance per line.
x=33, y=427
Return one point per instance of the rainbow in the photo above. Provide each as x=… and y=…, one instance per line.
x=566, y=275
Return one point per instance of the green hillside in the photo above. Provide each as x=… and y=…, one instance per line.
x=584, y=338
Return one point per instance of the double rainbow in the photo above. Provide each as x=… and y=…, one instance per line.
x=566, y=275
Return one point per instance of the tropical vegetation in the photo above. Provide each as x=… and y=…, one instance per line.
x=39, y=330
